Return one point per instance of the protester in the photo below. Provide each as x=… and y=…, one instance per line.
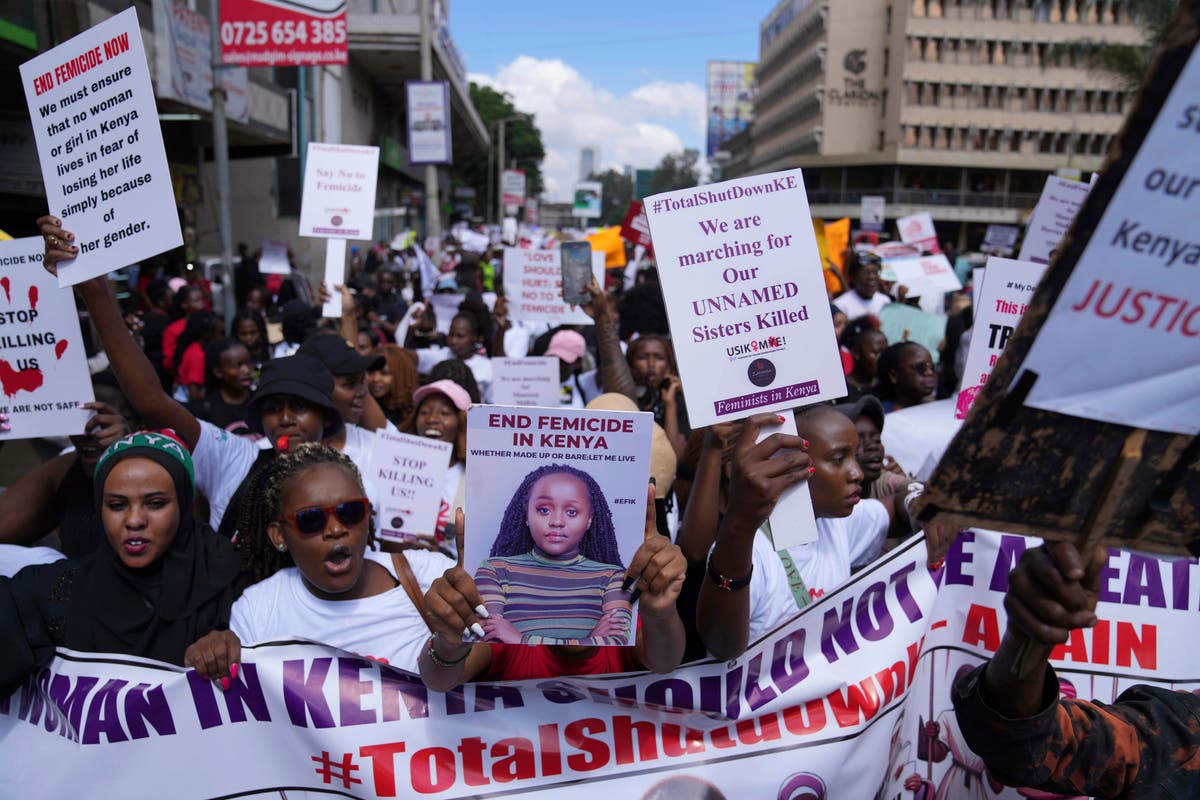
x=907, y=376
x=881, y=476
x=454, y=606
x=1144, y=744
x=442, y=414
x=229, y=383
x=189, y=300
x=393, y=384
x=864, y=297
x=296, y=319
x=191, y=376
x=306, y=533
x=144, y=491
x=569, y=348
x=658, y=388
x=251, y=330
x=865, y=343
x=466, y=343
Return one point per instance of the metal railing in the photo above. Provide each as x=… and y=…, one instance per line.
x=927, y=197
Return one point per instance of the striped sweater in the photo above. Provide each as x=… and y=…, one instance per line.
x=554, y=601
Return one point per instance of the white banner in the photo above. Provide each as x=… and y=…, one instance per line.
x=1120, y=343
x=1000, y=303
x=101, y=149
x=745, y=296
x=43, y=367
x=339, y=191
x=428, y=122
x=835, y=703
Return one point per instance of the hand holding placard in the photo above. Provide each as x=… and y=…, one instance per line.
x=760, y=476
x=657, y=570
x=453, y=606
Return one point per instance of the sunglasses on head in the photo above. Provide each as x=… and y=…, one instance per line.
x=311, y=521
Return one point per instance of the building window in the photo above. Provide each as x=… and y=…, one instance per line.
x=885, y=61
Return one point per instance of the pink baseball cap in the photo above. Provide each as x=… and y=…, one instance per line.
x=455, y=393
x=567, y=345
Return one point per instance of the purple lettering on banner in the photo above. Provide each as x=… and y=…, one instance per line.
x=456, y=701
x=838, y=627
x=670, y=694
x=733, y=699
x=30, y=707
x=908, y=603
x=956, y=557
x=488, y=697
x=246, y=694
x=351, y=690
x=757, y=695
x=1009, y=552
x=1144, y=581
x=1109, y=573
x=1181, y=575
x=873, y=602
x=204, y=699
x=6, y=703
x=788, y=667
x=142, y=706
x=303, y=694
x=767, y=397
x=400, y=687
x=71, y=701
x=103, y=717
x=710, y=696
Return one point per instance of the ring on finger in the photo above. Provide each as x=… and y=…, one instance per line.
x=52, y=239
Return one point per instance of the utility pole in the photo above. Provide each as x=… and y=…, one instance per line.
x=433, y=216
x=221, y=162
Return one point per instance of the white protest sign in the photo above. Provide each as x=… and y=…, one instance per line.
x=999, y=305
x=445, y=306
x=1052, y=216
x=409, y=471
x=793, y=521
x=339, y=191
x=43, y=368
x=872, y=212
x=1120, y=343
x=745, y=297
x=533, y=286
x=335, y=275
x=1000, y=240
x=508, y=230
x=918, y=230
x=273, y=258
x=529, y=381
x=558, y=504
x=101, y=150
x=927, y=277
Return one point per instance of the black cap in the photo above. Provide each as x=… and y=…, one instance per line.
x=341, y=359
x=297, y=376
x=866, y=406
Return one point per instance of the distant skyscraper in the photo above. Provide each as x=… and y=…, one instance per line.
x=589, y=162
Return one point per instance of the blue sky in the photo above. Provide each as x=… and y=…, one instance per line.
x=628, y=77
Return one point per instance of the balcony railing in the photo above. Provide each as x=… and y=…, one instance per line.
x=927, y=197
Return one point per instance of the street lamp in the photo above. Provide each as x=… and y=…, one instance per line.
x=498, y=196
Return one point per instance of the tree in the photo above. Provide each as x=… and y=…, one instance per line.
x=675, y=171
x=1127, y=64
x=523, y=148
x=617, y=190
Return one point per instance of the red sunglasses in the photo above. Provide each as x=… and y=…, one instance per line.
x=311, y=521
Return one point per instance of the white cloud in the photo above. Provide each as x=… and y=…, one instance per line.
x=638, y=128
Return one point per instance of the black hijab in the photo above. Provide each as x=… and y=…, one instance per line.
x=158, y=611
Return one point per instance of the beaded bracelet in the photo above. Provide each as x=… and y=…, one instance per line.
x=438, y=660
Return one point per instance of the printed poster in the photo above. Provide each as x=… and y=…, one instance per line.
x=918, y=230
x=103, y=163
x=531, y=381
x=1002, y=301
x=586, y=203
x=409, y=471
x=1052, y=217
x=558, y=509
x=339, y=191
x=43, y=367
x=745, y=296
x=298, y=33
x=428, y=122
x=1120, y=343
x=183, y=68
x=533, y=286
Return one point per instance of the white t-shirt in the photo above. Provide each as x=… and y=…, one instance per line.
x=385, y=627
x=222, y=460
x=480, y=366
x=14, y=558
x=824, y=564
x=853, y=306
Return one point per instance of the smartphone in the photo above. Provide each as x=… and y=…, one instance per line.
x=576, y=272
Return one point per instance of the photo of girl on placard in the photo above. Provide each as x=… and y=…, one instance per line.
x=555, y=571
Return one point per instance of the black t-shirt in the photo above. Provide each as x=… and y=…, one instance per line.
x=213, y=408
x=79, y=528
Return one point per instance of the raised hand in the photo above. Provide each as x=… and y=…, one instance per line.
x=107, y=426
x=762, y=471
x=60, y=244
x=657, y=570
x=453, y=606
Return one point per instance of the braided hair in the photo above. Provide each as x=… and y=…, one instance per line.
x=261, y=506
x=598, y=544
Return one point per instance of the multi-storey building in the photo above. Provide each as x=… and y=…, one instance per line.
x=959, y=107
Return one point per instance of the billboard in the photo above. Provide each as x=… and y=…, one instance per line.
x=428, y=122
x=731, y=90
x=299, y=33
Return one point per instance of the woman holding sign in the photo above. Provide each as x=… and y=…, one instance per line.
x=455, y=608
x=160, y=581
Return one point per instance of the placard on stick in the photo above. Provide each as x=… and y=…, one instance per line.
x=1034, y=471
x=101, y=149
x=43, y=368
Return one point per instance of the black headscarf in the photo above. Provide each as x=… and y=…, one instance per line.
x=157, y=611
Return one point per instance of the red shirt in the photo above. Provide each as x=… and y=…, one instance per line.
x=520, y=662
x=170, y=337
x=191, y=366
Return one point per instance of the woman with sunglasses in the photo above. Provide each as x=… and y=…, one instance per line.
x=306, y=529
x=907, y=376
